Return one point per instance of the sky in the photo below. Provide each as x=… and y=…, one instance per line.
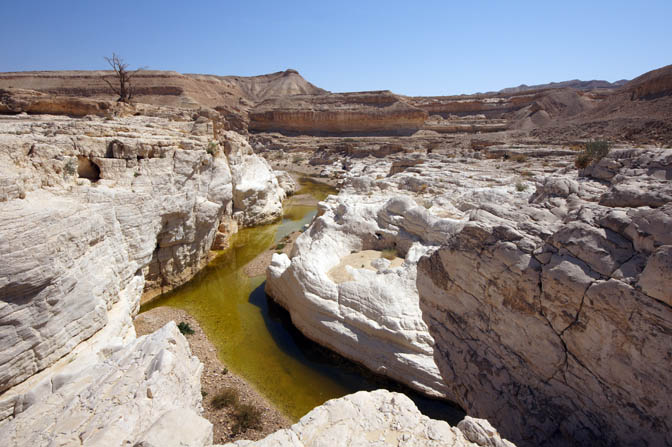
x=409, y=47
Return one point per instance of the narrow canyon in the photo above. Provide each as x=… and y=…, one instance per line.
x=507, y=254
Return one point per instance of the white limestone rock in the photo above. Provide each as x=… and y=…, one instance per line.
x=377, y=418
x=73, y=244
x=257, y=196
x=103, y=210
x=568, y=311
x=134, y=393
x=286, y=182
x=373, y=316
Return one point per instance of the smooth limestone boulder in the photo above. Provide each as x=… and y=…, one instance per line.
x=378, y=418
x=342, y=292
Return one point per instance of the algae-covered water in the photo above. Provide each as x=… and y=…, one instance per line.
x=255, y=338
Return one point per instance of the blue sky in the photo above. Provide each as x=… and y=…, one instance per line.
x=413, y=48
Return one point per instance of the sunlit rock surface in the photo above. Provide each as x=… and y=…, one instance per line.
x=127, y=396
x=341, y=293
x=554, y=322
x=378, y=418
x=545, y=290
x=94, y=211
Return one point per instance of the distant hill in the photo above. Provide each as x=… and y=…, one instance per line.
x=575, y=84
x=168, y=88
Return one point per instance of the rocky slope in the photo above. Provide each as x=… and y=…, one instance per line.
x=94, y=211
x=547, y=302
x=639, y=111
x=348, y=422
x=338, y=113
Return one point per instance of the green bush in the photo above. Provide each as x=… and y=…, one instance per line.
x=212, y=147
x=597, y=149
x=247, y=417
x=520, y=186
x=184, y=328
x=593, y=152
x=227, y=398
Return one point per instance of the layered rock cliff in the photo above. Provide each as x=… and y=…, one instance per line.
x=338, y=113
x=167, y=88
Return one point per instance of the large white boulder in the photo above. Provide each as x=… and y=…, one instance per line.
x=342, y=294
x=257, y=196
x=378, y=418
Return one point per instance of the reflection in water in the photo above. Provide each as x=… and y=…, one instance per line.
x=255, y=338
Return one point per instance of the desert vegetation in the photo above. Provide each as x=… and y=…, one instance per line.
x=593, y=152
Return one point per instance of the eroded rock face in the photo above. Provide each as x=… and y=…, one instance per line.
x=342, y=293
x=29, y=101
x=364, y=308
x=78, y=250
x=257, y=196
x=135, y=393
x=349, y=421
x=554, y=322
x=546, y=294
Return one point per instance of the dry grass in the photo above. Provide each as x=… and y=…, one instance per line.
x=246, y=417
x=389, y=253
x=227, y=398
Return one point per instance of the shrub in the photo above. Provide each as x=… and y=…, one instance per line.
x=593, y=152
x=597, y=149
x=246, y=416
x=227, y=398
x=389, y=253
x=184, y=328
x=520, y=186
x=70, y=167
x=582, y=161
x=519, y=158
x=212, y=148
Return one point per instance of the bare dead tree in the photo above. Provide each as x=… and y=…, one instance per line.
x=122, y=85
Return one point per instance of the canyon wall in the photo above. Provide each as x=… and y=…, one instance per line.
x=559, y=330
x=94, y=212
x=545, y=291
x=339, y=113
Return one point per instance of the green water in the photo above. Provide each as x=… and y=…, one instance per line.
x=255, y=338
